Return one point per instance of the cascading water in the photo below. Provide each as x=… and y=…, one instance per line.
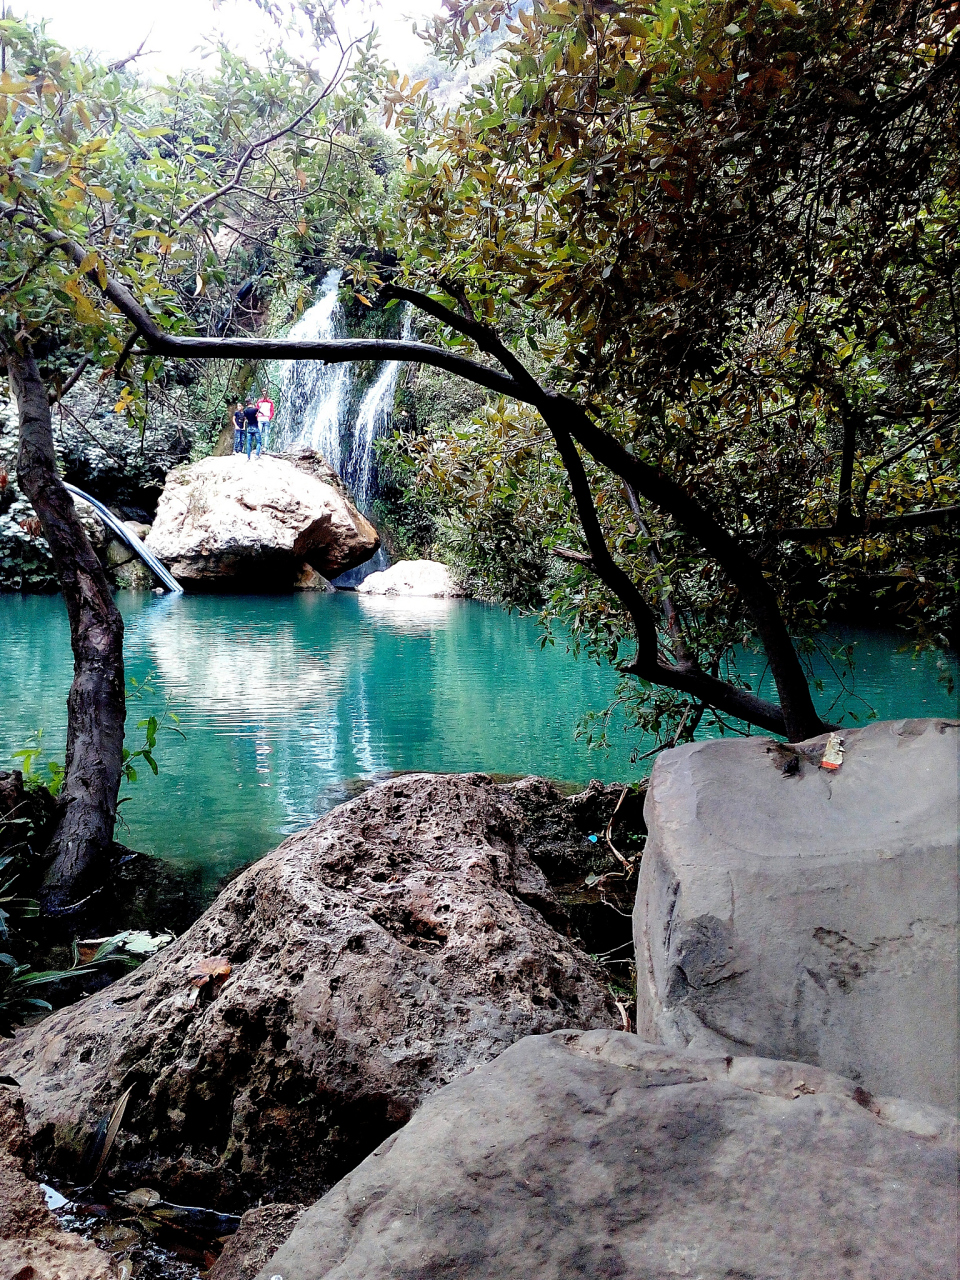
x=373, y=416
x=318, y=408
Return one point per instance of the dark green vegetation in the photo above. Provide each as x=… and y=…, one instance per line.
x=702, y=257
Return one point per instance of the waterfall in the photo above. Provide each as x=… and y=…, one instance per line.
x=318, y=408
x=376, y=409
x=314, y=397
x=318, y=405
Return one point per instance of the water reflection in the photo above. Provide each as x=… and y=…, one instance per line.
x=408, y=613
x=285, y=700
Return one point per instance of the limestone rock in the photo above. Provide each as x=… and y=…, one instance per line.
x=397, y=943
x=309, y=580
x=592, y=1154
x=138, y=528
x=316, y=465
x=251, y=524
x=32, y=1246
x=810, y=916
x=412, y=578
x=96, y=529
x=117, y=552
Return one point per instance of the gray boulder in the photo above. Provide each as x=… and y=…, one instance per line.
x=592, y=1154
x=807, y=914
x=399, y=942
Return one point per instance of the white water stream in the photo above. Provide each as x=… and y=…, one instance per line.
x=318, y=402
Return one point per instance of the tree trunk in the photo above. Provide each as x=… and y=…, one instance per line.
x=81, y=845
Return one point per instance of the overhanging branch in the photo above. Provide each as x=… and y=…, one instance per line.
x=864, y=526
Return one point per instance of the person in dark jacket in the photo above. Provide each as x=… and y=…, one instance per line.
x=254, y=436
x=239, y=428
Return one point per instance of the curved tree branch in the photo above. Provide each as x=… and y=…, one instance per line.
x=563, y=416
x=859, y=526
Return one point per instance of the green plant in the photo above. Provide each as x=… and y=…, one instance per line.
x=30, y=756
x=16, y=980
x=151, y=726
x=12, y=904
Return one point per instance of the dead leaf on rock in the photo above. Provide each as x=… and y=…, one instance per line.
x=209, y=974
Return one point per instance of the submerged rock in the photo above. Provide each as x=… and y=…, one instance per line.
x=593, y=1154
x=255, y=523
x=808, y=914
x=396, y=944
x=412, y=578
x=32, y=1246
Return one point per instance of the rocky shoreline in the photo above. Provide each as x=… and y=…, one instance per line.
x=396, y=1006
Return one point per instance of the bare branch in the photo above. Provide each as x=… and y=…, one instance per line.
x=861, y=526
x=576, y=557
x=254, y=147
x=132, y=57
x=59, y=392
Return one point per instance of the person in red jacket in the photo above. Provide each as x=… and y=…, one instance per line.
x=265, y=412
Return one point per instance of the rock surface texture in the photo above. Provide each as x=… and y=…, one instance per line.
x=412, y=578
x=594, y=1155
x=32, y=1246
x=397, y=943
x=239, y=522
x=810, y=915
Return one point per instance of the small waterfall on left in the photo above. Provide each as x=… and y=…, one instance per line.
x=319, y=408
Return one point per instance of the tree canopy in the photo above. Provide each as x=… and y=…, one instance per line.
x=730, y=231
x=722, y=236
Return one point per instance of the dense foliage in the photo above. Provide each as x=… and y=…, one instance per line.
x=725, y=231
x=211, y=196
x=731, y=231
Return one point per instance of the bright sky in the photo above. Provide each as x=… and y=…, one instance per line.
x=174, y=28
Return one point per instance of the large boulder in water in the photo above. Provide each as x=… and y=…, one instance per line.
x=397, y=943
x=255, y=523
x=595, y=1155
x=799, y=912
x=412, y=578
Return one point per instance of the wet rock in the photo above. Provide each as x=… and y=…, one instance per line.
x=134, y=575
x=412, y=578
x=244, y=523
x=32, y=1246
x=261, y=1233
x=596, y=1155
x=309, y=580
x=811, y=914
x=401, y=941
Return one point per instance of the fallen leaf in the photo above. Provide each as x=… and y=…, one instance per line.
x=211, y=973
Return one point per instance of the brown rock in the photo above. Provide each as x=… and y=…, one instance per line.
x=401, y=941
x=260, y=1234
x=309, y=580
x=594, y=1155
x=32, y=1246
